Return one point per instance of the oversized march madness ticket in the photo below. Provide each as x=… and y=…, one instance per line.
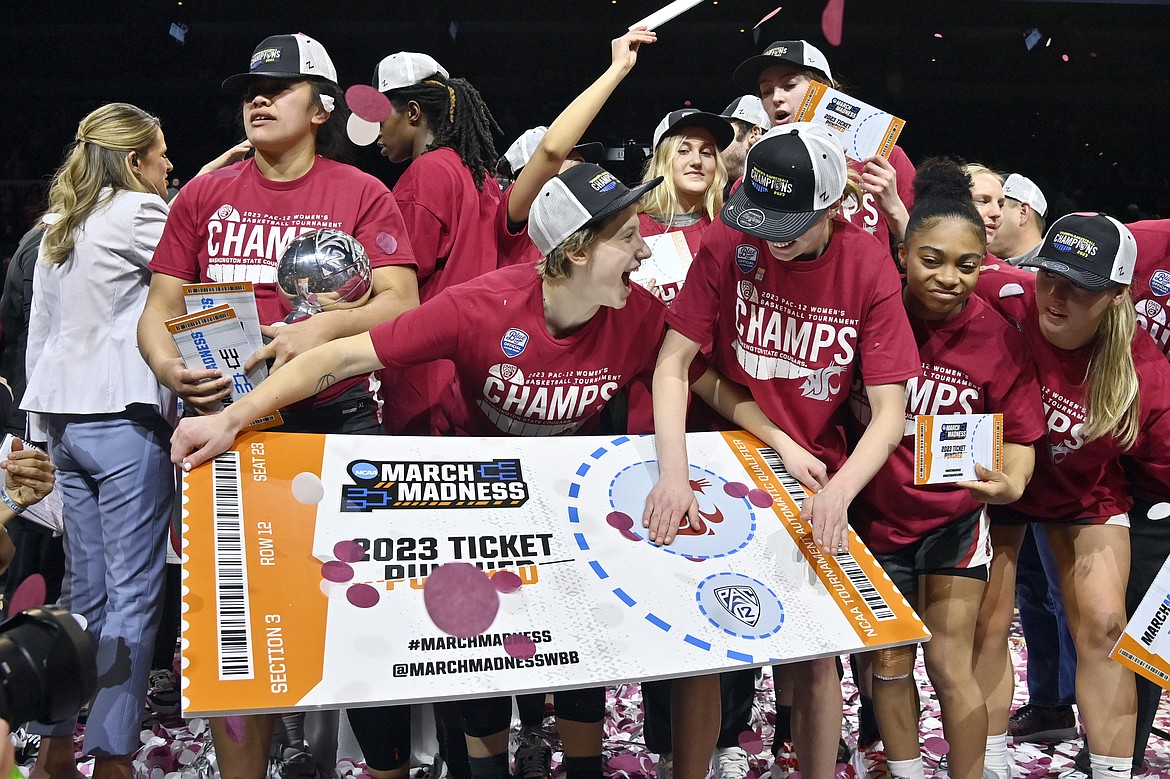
x=306, y=559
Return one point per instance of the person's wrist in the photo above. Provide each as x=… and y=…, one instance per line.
x=9, y=501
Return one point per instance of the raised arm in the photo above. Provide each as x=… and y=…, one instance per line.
x=566, y=131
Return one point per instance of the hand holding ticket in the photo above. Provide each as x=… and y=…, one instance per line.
x=947, y=447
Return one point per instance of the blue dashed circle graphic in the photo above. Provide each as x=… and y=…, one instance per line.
x=735, y=528
x=740, y=605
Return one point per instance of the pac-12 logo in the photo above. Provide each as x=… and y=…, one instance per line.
x=740, y=602
x=428, y=485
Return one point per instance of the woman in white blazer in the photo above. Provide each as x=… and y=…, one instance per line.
x=106, y=418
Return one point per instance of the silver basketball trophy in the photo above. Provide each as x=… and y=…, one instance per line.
x=323, y=270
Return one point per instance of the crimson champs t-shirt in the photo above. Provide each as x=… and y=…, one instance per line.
x=233, y=225
x=452, y=224
x=1079, y=479
x=1150, y=287
x=974, y=363
x=515, y=378
x=794, y=332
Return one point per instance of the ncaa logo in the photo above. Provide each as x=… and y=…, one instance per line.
x=363, y=471
x=1160, y=282
x=514, y=342
x=746, y=257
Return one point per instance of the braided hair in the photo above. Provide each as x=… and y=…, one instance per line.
x=458, y=118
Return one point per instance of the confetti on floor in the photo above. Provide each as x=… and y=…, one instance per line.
x=173, y=748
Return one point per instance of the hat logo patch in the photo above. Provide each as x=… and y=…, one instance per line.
x=776, y=51
x=1070, y=242
x=1059, y=267
x=603, y=182
x=746, y=257
x=1160, y=282
x=769, y=184
x=750, y=219
x=264, y=57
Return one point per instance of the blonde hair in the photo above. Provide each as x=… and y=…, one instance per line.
x=98, y=158
x=1114, y=403
x=974, y=169
x=556, y=265
x=662, y=201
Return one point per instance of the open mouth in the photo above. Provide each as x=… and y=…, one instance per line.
x=781, y=246
x=626, y=279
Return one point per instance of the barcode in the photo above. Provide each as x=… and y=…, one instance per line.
x=869, y=594
x=773, y=461
x=1158, y=672
x=231, y=575
x=857, y=577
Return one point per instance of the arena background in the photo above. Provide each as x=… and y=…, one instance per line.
x=1091, y=130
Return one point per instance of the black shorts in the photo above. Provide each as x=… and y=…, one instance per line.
x=960, y=548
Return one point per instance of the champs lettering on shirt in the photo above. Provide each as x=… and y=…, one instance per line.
x=780, y=338
x=246, y=246
x=544, y=403
x=1065, y=418
x=515, y=378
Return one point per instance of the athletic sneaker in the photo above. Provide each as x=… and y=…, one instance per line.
x=729, y=763
x=786, y=764
x=665, y=767
x=1042, y=724
x=869, y=762
x=533, y=756
x=162, y=694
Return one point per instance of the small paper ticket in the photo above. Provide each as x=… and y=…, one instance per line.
x=667, y=265
x=947, y=446
x=46, y=513
x=238, y=295
x=865, y=130
x=215, y=340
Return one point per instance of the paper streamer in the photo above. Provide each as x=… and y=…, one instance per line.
x=832, y=20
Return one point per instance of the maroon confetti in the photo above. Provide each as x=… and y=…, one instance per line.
x=336, y=571
x=234, y=727
x=387, y=243
x=751, y=741
x=368, y=103
x=460, y=599
x=832, y=20
x=768, y=16
x=619, y=520
x=735, y=489
x=630, y=535
x=519, y=646
x=936, y=745
x=696, y=559
x=506, y=581
x=29, y=595
x=363, y=596
x=760, y=499
x=348, y=551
